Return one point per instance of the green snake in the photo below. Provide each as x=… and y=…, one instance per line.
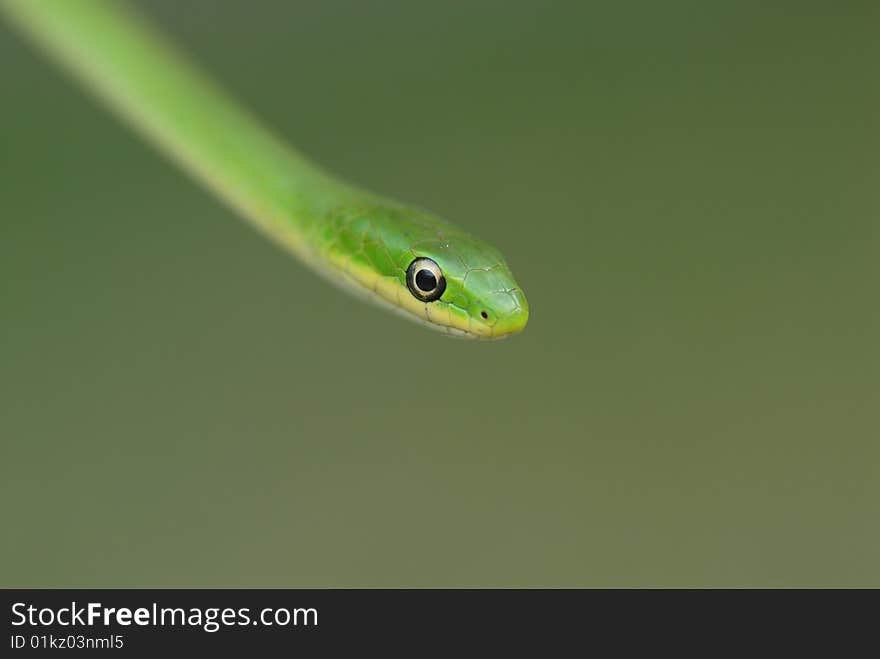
x=400, y=257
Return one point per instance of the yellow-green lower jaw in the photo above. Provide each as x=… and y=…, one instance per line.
x=389, y=293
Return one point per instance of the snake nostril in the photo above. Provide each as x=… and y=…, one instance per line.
x=484, y=315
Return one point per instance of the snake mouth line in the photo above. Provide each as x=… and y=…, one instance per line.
x=387, y=293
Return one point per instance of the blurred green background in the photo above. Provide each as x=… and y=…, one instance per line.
x=687, y=191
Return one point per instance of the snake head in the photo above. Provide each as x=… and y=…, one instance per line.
x=425, y=268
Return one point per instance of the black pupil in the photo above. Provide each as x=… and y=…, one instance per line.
x=426, y=281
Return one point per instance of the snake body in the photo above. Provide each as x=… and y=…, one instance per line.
x=401, y=257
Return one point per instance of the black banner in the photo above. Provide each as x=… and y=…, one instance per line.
x=414, y=621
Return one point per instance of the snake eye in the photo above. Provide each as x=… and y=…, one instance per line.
x=425, y=280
